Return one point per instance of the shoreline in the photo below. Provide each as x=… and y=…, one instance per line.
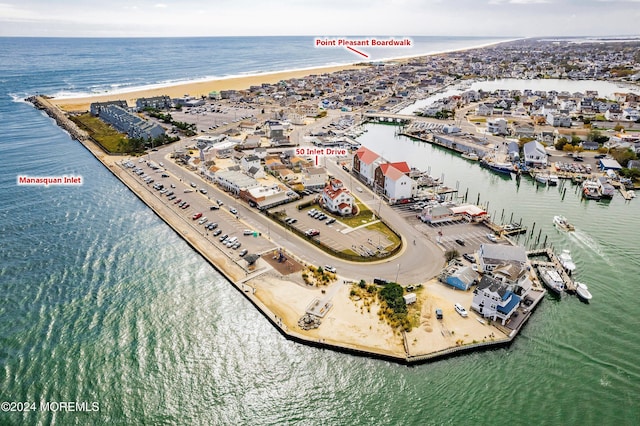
x=202, y=87
x=242, y=280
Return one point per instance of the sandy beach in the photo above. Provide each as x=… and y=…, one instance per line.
x=195, y=89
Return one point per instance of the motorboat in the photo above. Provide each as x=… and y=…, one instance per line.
x=553, y=180
x=470, y=156
x=552, y=279
x=562, y=223
x=591, y=190
x=566, y=261
x=583, y=291
x=631, y=193
x=542, y=179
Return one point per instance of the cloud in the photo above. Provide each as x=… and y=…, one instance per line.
x=497, y=2
x=160, y=5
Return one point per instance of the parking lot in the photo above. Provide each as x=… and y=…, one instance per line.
x=195, y=206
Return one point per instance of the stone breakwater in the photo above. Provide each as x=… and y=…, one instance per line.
x=59, y=117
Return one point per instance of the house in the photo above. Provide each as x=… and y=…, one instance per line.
x=534, y=154
x=365, y=162
x=558, y=120
x=513, y=149
x=461, y=278
x=95, y=107
x=123, y=121
x=314, y=177
x=492, y=299
x=394, y=181
x=497, y=126
x=337, y=199
x=492, y=256
x=235, y=181
x=484, y=109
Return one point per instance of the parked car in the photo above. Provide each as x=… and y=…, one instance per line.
x=196, y=216
x=243, y=252
x=492, y=238
x=462, y=311
x=329, y=268
x=469, y=257
x=460, y=241
x=233, y=211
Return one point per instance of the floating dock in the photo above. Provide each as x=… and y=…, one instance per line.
x=553, y=262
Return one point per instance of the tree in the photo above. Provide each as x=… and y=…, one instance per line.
x=451, y=254
x=560, y=143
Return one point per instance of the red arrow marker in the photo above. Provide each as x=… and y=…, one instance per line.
x=357, y=51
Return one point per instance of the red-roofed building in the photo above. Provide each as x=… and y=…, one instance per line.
x=337, y=199
x=393, y=180
x=365, y=162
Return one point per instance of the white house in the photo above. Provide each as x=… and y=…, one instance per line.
x=493, y=256
x=314, y=177
x=394, y=181
x=365, y=162
x=558, y=120
x=493, y=299
x=336, y=198
x=497, y=126
x=534, y=154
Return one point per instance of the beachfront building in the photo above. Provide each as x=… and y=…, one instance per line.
x=392, y=179
x=534, y=154
x=492, y=299
x=95, y=107
x=337, y=199
x=134, y=126
x=155, y=102
x=365, y=162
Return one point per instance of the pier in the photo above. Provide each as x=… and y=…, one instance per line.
x=554, y=263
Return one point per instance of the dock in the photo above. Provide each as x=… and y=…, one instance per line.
x=553, y=262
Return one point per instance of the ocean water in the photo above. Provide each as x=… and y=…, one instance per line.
x=103, y=303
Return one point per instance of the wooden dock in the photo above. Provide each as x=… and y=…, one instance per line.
x=553, y=262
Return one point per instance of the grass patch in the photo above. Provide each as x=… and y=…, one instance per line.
x=384, y=230
x=365, y=215
x=101, y=132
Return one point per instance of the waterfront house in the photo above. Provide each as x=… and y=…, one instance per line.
x=492, y=256
x=337, y=199
x=534, y=154
x=494, y=300
x=95, y=107
x=393, y=180
x=365, y=162
x=513, y=150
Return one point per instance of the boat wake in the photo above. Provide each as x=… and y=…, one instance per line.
x=585, y=240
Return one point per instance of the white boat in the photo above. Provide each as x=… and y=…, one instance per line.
x=562, y=223
x=566, y=261
x=583, y=291
x=631, y=193
x=470, y=156
x=542, y=179
x=552, y=279
x=553, y=180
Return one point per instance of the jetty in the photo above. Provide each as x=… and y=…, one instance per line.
x=554, y=262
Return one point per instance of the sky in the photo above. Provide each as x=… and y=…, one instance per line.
x=184, y=18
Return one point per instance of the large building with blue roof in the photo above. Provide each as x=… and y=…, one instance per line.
x=493, y=299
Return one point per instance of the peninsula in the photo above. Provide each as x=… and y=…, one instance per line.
x=274, y=191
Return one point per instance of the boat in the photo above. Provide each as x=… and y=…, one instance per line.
x=542, y=179
x=583, y=291
x=566, y=261
x=505, y=168
x=552, y=279
x=590, y=190
x=553, y=180
x=631, y=193
x=470, y=156
x=562, y=223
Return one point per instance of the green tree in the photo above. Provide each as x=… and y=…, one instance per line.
x=451, y=254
